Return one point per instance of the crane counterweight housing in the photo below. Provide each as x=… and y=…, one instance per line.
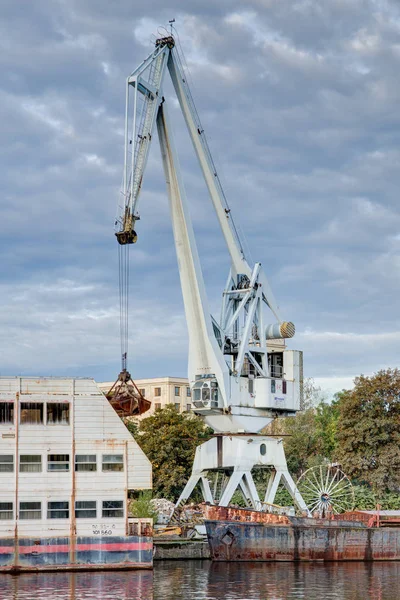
x=241, y=373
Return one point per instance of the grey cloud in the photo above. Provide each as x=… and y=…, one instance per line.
x=300, y=104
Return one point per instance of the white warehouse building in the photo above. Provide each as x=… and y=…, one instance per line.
x=67, y=462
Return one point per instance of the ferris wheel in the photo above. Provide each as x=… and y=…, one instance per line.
x=326, y=489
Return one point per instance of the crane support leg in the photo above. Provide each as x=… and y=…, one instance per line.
x=238, y=456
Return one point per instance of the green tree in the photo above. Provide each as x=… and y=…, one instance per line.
x=169, y=439
x=326, y=424
x=369, y=431
x=301, y=440
x=308, y=436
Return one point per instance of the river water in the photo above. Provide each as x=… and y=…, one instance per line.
x=203, y=580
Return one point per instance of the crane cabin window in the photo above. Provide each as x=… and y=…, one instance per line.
x=275, y=363
x=113, y=509
x=57, y=413
x=113, y=462
x=6, y=412
x=31, y=413
x=6, y=463
x=85, y=509
x=85, y=462
x=30, y=463
x=30, y=510
x=6, y=511
x=58, y=462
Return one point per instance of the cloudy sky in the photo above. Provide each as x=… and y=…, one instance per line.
x=300, y=103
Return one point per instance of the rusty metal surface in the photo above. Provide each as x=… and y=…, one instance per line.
x=69, y=553
x=228, y=513
x=327, y=541
x=126, y=398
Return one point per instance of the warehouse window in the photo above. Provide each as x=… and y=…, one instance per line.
x=188, y=407
x=58, y=462
x=113, y=462
x=188, y=392
x=57, y=413
x=157, y=392
x=85, y=462
x=113, y=508
x=6, y=463
x=58, y=510
x=177, y=391
x=142, y=391
x=30, y=463
x=157, y=405
x=30, y=510
x=6, y=412
x=85, y=509
x=178, y=407
x=31, y=412
x=6, y=511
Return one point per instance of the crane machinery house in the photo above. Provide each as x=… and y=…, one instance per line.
x=67, y=462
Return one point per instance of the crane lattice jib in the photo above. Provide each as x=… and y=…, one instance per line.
x=144, y=132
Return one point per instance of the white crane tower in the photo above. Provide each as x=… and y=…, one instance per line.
x=240, y=373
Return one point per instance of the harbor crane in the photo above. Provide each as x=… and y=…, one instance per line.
x=241, y=375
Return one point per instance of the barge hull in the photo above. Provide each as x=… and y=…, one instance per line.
x=241, y=541
x=80, y=553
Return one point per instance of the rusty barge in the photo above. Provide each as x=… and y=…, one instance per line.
x=246, y=535
x=67, y=463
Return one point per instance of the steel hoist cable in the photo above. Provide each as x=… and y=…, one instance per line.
x=123, y=273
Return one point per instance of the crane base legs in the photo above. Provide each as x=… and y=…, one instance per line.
x=224, y=464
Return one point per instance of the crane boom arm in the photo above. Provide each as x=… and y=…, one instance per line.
x=199, y=140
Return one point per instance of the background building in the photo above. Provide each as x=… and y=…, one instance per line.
x=161, y=391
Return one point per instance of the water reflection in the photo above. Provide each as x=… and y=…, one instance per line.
x=109, y=585
x=203, y=580
x=277, y=581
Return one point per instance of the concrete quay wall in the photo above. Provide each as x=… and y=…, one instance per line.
x=181, y=550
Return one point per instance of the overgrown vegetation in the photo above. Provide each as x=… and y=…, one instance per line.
x=141, y=507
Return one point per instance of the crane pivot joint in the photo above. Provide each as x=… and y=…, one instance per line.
x=165, y=41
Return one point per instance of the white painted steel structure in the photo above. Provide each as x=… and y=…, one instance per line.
x=240, y=373
x=38, y=460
